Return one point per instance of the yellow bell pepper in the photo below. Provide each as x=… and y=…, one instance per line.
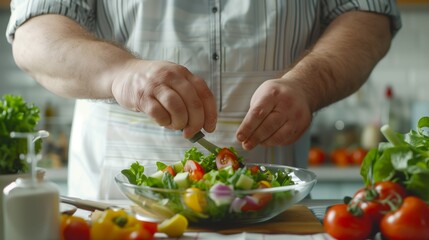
x=114, y=225
x=195, y=199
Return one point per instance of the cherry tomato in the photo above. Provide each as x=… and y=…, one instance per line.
x=341, y=223
x=410, y=221
x=226, y=158
x=367, y=200
x=316, y=156
x=196, y=171
x=340, y=157
x=393, y=191
x=376, y=201
x=254, y=169
x=151, y=227
x=170, y=170
x=251, y=204
x=258, y=200
x=358, y=155
x=73, y=227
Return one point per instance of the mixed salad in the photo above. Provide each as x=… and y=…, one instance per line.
x=207, y=184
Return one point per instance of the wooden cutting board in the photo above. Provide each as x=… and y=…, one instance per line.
x=296, y=220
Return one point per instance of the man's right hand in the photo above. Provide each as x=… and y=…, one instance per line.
x=69, y=61
x=169, y=93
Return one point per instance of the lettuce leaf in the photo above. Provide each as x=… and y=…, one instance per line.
x=404, y=159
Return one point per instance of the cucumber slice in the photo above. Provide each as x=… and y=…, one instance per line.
x=244, y=182
x=182, y=180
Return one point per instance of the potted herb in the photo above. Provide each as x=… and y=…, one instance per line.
x=15, y=116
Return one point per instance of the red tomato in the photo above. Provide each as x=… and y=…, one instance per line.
x=196, y=172
x=376, y=201
x=316, y=156
x=75, y=228
x=367, y=200
x=170, y=170
x=258, y=200
x=340, y=157
x=341, y=223
x=390, y=190
x=226, y=158
x=151, y=227
x=254, y=169
x=358, y=155
x=410, y=221
x=252, y=204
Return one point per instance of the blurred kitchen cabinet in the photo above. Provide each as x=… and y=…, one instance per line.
x=4, y=3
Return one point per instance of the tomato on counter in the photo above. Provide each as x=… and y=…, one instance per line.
x=73, y=227
x=357, y=155
x=409, y=221
x=379, y=199
x=343, y=222
x=316, y=156
x=384, y=208
x=341, y=157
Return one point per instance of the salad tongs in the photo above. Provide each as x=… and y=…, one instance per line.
x=199, y=138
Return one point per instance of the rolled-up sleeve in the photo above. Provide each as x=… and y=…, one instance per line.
x=82, y=11
x=333, y=8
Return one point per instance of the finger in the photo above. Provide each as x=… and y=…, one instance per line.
x=254, y=117
x=193, y=104
x=285, y=135
x=174, y=105
x=209, y=103
x=155, y=110
x=272, y=123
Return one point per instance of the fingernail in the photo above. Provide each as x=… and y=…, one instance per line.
x=240, y=137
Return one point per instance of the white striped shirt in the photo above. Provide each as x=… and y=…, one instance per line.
x=235, y=45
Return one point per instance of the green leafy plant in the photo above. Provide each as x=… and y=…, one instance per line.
x=403, y=159
x=16, y=115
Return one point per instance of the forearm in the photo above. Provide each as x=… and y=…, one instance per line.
x=66, y=59
x=343, y=58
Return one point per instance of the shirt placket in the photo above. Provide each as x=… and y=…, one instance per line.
x=215, y=50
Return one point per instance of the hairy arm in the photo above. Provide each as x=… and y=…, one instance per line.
x=335, y=67
x=343, y=58
x=66, y=59
x=69, y=61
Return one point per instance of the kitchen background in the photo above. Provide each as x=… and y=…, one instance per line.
x=396, y=93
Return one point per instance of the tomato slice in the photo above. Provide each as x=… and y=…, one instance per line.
x=151, y=227
x=254, y=169
x=226, y=158
x=257, y=200
x=170, y=170
x=196, y=171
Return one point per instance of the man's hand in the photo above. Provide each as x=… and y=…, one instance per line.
x=169, y=93
x=69, y=61
x=279, y=114
x=335, y=67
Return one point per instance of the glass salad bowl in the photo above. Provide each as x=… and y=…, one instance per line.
x=237, y=203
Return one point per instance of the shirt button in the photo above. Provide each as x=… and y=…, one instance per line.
x=215, y=56
x=214, y=10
